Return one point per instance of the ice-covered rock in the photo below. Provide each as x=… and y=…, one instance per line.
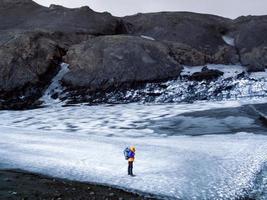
x=235, y=83
x=51, y=94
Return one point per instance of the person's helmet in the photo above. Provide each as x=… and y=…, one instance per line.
x=132, y=148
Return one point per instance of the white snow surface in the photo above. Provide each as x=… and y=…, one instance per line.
x=202, y=167
x=182, y=167
x=259, y=75
x=229, y=40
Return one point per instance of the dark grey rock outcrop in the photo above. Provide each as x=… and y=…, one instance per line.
x=119, y=61
x=186, y=55
x=28, y=15
x=147, y=47
x=195, y=39
x=250, y=35
x=28, y=62
x=206, y=74
x=197, y=30
x=33, y=40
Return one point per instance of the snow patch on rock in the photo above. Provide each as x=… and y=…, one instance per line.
x=55, y=86
x=147, y=37
x=229, y=40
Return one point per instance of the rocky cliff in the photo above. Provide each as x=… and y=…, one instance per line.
x=107, y=53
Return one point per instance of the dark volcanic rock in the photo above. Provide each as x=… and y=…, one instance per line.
x=28, y=15
x=197, y=30
x=28, y=62
x=186, y=55
x=251, y=40
x=117, y=61
x=206, y=74
x=34, y=38
x=23, y=185
x=195, y=39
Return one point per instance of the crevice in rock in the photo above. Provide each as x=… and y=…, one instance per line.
x=238, y=54
x=121, y=28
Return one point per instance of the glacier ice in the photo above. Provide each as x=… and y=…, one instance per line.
x=73, y=143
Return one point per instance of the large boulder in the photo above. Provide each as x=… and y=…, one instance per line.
x=251, y=40
x=28, y=62
x=206, y=74
x=197, y=37
x=118, y=61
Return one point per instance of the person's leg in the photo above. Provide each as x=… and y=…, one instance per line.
x=129, y=168
x=132, y=169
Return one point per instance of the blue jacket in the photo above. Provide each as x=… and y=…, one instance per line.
x=131, y=156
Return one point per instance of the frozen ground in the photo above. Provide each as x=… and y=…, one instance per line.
x=200, y=167
x=131, y=120
x=86, y=143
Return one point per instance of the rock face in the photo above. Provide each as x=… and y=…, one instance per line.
x=251, y=40
x=194, y=38
x=106, y=52
x=197, y=30
x=119, y=61
x=27, y=63
x=186, y=55
x=33, y=40
x=28, y=15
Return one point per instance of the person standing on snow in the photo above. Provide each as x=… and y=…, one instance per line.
x=131, y=157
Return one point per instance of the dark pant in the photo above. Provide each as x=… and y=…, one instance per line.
x=130, y=168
